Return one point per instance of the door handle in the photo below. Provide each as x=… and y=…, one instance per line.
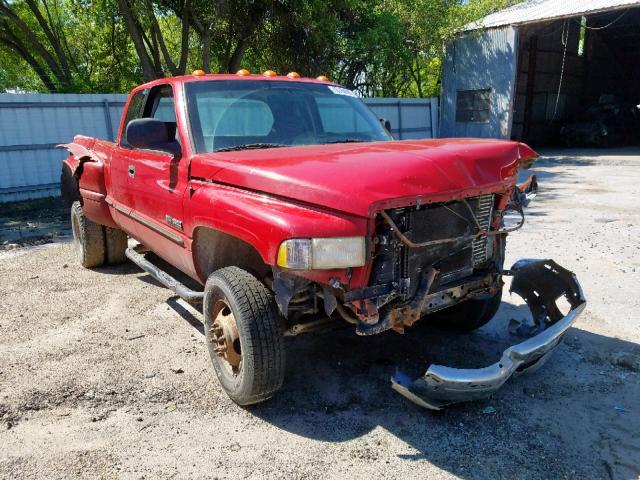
x=132, y=171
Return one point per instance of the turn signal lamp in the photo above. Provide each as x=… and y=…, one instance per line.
x=198, y=73
x=243, y=72
x=269, y=73
x=322, y=78
x=293, y=75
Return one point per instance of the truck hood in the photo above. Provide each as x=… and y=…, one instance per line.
x=358, y=178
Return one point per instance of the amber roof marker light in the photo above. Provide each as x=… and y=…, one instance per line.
x=293, y=75
x=269, y=73
x=322, y=78
x=198, y=73
x=243, y=72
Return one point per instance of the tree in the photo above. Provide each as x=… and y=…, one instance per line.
x=69, y=46
x=377, y=47
x=148, y=36
x=25, y=30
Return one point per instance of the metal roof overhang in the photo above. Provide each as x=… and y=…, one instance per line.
x=544, y=10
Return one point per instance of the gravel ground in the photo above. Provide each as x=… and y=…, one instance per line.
x=104, y=375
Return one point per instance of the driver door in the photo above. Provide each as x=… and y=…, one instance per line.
x=158, y=181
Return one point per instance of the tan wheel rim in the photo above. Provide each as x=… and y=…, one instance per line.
x=225, y=339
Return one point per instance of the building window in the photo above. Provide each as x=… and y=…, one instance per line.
x=473, y=106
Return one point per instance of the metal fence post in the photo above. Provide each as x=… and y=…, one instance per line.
x=433, y=110
x=399, y=119
x=107, y=119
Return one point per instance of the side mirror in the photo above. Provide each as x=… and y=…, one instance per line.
x=386, y=124
x=153, y=134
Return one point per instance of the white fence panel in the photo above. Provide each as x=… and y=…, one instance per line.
x=409, y=117
x=31, y=125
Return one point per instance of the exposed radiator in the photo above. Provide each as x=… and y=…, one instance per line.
x=480, y=247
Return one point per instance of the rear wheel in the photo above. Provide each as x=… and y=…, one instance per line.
x=242, y=328
x=116, y=244
x=88, y=238
x=467, y=316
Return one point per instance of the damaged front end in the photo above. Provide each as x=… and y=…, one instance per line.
x=541, y=283
x=431, y=258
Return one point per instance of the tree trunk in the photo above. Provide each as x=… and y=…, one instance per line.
x=148, y=70
x=235, y=61
x=184, y=45
x=53, y=40
x=27, y=57
x=30, y=36
x=206, y=50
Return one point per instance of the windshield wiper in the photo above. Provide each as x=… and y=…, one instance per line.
x=347, y=140
x=251, y=146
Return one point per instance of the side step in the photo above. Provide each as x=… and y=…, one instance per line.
x=164, y=278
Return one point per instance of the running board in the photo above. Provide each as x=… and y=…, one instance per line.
x=164, y=278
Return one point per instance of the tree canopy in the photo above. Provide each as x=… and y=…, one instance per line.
x=377, y=47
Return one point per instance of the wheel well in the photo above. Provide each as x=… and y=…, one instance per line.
x=213, y=249
x=69, y=188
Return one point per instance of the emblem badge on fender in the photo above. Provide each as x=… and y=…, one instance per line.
x=173, y=221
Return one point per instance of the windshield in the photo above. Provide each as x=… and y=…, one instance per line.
x=229, y=115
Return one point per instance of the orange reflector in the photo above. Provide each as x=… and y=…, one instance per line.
x=243, y=72
x=269, y=73
x=322, y=78
x=198, y=73
x=293, y=75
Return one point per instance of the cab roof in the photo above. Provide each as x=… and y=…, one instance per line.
x=229, y=76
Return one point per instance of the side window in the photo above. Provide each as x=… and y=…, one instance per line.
x=162, y=104
x=155, y=103
x=162, y=107
x=135, y=110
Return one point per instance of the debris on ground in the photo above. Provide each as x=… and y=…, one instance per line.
x=628, y=360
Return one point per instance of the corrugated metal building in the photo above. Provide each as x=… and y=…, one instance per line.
x=523, y=72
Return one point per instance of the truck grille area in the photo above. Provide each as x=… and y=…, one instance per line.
x=484, y=209
x=397, y=264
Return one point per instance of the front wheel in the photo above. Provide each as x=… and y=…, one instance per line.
x=242, y=328
x=468, y=315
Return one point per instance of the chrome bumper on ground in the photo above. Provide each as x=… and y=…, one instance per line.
x=540, y=283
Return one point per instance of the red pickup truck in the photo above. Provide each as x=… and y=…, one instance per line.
x=288, y=200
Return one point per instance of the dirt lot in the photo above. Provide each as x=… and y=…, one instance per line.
x=104, y=375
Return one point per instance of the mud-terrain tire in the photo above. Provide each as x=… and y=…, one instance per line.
x=233, y=293
x=467, y=316
x=88, y=238
x=116, y=243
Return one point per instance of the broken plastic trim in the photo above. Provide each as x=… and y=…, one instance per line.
x=540, y=283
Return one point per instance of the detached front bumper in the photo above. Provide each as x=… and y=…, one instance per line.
x=540, y=283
